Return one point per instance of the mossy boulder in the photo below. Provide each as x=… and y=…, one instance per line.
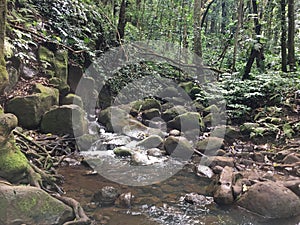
x=169, y=92
x=60, y=85
x=30, y=109
x=171, y=113
x=72, y=99
x=150, y=114
x=187, y=86
x=122, y=151
x=66, y=119
x=149, y=103
x=187, y=121
x=30, y=205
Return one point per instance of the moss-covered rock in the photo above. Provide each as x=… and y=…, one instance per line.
x=142, y=105
x=187, y=121
x=30, y=109
x=187, y=86
x=150, y=114
x=72, y=99
x=247, y=128
x=30, y=205
x=122, y=151
x=171, y=113
x=66, y=119
x=113, y=118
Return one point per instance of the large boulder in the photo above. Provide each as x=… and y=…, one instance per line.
x=223, y=194
x=149, y=103
x=30, y=109
x=152, y=141
x=30, y=205
x=271, y=200
x=186, y=121
x=4, y=81
x=171, y=113
x=210, y=145
x=66, y=119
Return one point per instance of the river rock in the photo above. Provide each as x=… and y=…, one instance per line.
x=30, y=109
x=186, y=121
x=152, y=141
x=124, y=200
x=205, y=171
x=210, y=145
x=113, y=118
x=223, y=194
x=178, y=147
x=196, y=199
x=30, y=205
x=169, y=92
x=66, y=119
x=106, y=196
x=271, y=200
x=213, y=161
x=122, y=151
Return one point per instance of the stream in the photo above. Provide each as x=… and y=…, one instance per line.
x=153, y=204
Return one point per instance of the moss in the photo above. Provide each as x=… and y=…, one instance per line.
x=146, y=104
x=26, y=205
x=61, y=65
x=72, y=99
x=3, y=78
x=13, y=163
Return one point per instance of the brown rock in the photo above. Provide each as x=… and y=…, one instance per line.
x=223, y=194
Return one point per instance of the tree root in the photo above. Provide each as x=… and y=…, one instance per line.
x=80, y=217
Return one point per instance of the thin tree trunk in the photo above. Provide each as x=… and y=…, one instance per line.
x=257, y=49
x=122, y=22
x=197, y=28
x=283, y=36
x=2, y=26
x=291, y=35
x=236, y=35
x=224, y=17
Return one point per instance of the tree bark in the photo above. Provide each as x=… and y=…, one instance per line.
x=283, y=36
x=257, y=49
x=291, y=35
x=197, y=28
x=3, y=72
x=122, y=22
x=224, y=17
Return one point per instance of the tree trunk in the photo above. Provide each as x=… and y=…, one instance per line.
x=283, y=36
x=257, y=49
x=3, y=72
x=291, y=35
x=197, y=28
x=224, y=17
x=122, y=22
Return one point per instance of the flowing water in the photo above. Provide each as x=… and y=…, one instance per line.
x=155, y=204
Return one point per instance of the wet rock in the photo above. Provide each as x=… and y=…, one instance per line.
x=172, y=112
x=123, y=151
x=174, y=132
x=140, y=158
x=152, y=141
x=30, y=109
x=186, y=121
x=86, y=89
x=156, y=152
x=205, y=171
x=291, y=158
x=178, y=147
x=150, y=114
x=125, y=200
x=196, y=199
x=223, y=194
x=106, y=196
x=213, y=161
x=209, y=145
x=30, y=205
x=72, y=99
x=271, y=200
x=66, y=119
